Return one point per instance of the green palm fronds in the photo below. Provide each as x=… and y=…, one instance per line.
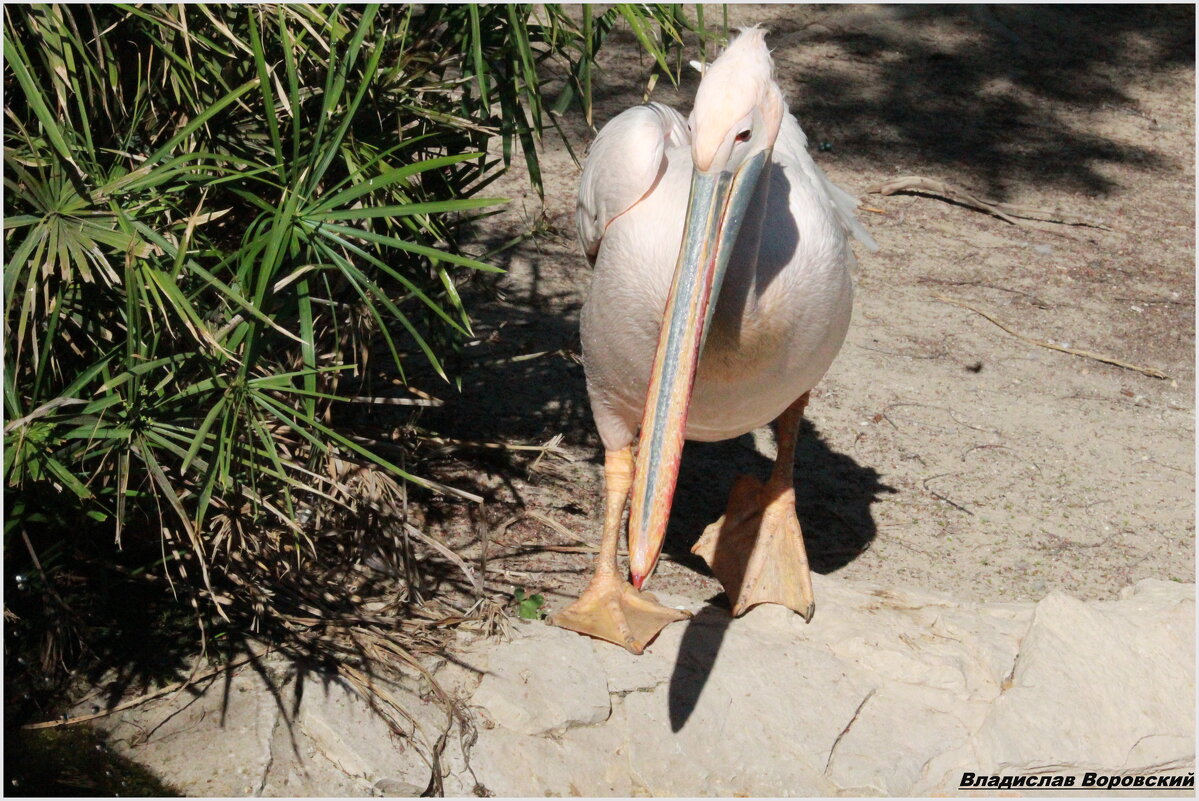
x=213, y=214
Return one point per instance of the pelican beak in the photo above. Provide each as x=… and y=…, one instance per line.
x=716, y=207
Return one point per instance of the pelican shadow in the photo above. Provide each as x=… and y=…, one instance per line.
x=833, y=498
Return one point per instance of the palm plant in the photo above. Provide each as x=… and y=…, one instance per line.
x=212, y=216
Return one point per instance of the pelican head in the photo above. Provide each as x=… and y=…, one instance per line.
x=738, y=106
x=734, y=123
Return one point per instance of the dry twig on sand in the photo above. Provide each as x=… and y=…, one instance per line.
x=161, y=691
x=1086, y=354
x=1008, y=212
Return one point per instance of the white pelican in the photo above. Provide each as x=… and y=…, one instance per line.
x=673, y=213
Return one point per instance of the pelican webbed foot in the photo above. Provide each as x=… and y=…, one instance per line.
x=612, y=609
x=756, y=549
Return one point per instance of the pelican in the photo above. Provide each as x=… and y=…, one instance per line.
x=721, y=294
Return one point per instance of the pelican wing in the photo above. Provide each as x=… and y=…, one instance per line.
x=625, y=161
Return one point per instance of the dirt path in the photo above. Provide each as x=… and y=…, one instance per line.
x=941, y=452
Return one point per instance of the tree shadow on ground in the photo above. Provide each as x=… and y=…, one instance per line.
x=986, y=95
x=977, y=94
x=993, y=109
x=522, y=382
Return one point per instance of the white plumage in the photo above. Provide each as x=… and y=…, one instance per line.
x=785, y=305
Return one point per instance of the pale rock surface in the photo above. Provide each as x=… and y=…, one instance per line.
x=237, y=719
x=581, y=761
x=544, y=683
x=886, y=692
x=1106, y=679
x=898, y=729
x=369, y=743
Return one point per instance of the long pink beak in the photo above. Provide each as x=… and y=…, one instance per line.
x=714, y=212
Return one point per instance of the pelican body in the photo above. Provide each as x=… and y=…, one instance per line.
x=720, y=297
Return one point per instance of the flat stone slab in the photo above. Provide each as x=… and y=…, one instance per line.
x=886, y=692
x=1107, y=682
x=544, y=683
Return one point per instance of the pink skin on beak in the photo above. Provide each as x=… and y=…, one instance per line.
x=717, y=204
x=660, y=448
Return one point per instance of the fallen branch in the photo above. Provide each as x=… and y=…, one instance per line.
x=179, y=685
x=924, y=279
x=552, y=446
x=447, y=552
x=1008, y=212
x=565, y=353
x=1086, y=354
x=941, y=497
x=528, y=550
x=376, y=400
x=555, y=525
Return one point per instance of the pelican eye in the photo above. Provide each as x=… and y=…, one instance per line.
x=743, y=136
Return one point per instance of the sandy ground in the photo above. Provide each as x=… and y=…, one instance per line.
x=940, y=451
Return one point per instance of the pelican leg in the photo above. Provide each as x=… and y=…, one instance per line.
x=611, y=608
x=756, y=549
